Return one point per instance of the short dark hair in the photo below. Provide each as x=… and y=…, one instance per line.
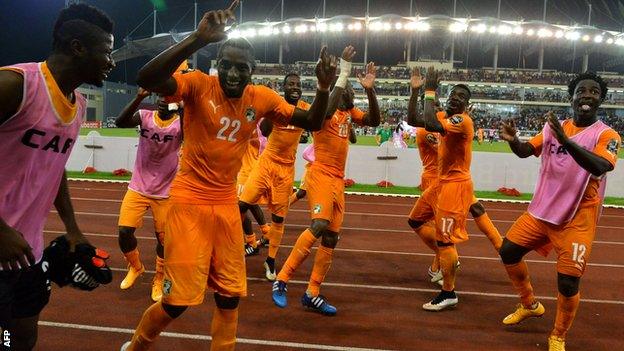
x=591, y=76
x=82, y=22
x=239, y=43
x=291, y=74
x=463, y=86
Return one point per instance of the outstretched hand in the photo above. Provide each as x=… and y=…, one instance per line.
x=367, y=80
x=348, y=53
x=432, y=80
x=508, y=130
x=417, y=80
x=326, y=69
x=556, y=127
x=211, y=28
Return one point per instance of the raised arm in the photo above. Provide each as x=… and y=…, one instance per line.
x=373, y=117
x=156, y=75
x=414, y=115
x=341, y=82
x=352, y=135
x=129, y=116
x=432, y=124
x=591, y=162
x=325, y=74
x=508, y=133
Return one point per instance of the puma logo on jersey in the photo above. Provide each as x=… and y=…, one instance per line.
x=157, y=137
x=38, y=139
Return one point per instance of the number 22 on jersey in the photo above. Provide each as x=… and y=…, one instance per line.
x=229, y=128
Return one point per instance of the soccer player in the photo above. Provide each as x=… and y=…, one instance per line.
x=203, y=233
x=274, y=174
x=428, y=144
x=154, y=169
x=325, y=184
x=575, y=158
x=257, y=143
x=383, y=134
x=40, y=117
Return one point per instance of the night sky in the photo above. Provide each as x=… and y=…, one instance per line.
x=28, y=24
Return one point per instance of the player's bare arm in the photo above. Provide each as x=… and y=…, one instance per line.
x=15, y=252
x=11, y=94
x=414, y=115
x=266, y=127
x=129, y=116
x=352, y=135
x=509, y=133
x=345, y=71
x=156, y=75
x=373, y=117
x=64, y=207
x=432, y=81
x=591, y=162
x=325, y=74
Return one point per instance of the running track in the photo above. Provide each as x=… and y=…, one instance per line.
x=377, y=282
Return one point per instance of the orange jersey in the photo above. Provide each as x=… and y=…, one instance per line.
x=250, y=158
x=607, y=148
x=455, y=149
x=331, y=143
x=217, y=130
x=283, y=141
x=428, y=150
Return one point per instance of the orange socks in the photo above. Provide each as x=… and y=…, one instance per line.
x=322, y=262
x=251, y=240
x=519, y=275
x=154, y=321
x=133, y=259
x=448, y=264
x=223, y=329
x=275, y=238
x=297, y=255
x=293, y=198
x=566, y=310
x=487, y=227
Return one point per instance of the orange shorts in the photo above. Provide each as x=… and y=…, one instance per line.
x=204, y=248
x=572, y=241
x=134, y=206
x=325, y=197
x=426, y=181
x=302, y=184
x=272, y=182
x=447, y=203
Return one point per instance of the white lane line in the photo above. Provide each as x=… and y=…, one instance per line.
x=608, y=265
x=346, y=213
x=296, y=345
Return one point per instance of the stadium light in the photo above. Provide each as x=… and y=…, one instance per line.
x=398, y=25
x=458, y=27
x=357, y=26
x=573, y=35
x=234, y=34
x=336, y=27
x=610, y=41
x=619, y=42
x=265, y=31
x=422, y=26
x=559, y=34
x=585, y=37
x=493, y=29
x=518, y=30
x=249, y=33
x=598, y=39
x=302, y=28
x=321, y=27
x=387, y=26
x=312, y=28
x=530, y=32
x=376, y=26
x=286, y=29
x=544, y=33
x=504, y=30
x=479, y=28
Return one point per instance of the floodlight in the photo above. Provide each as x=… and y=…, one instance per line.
x=422, y=26
x=457, y=27
x=573, y=35
x=598, y=39
x=286, y=29
x=479, y=28
x=530, y=32
x=585, y=37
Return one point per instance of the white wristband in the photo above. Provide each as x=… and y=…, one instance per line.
x=345, y=71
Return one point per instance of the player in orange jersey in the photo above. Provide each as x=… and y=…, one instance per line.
x=325, y=185
x=576, y=156
x=274, y=173
x=203, y=232
x=428, y=149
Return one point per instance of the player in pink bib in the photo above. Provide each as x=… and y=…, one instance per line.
x=40, y=117
x=575, y=158
x=156, y=164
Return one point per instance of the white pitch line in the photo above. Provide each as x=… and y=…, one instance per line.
x=381, y=252
x=402, y=288
x=297, y=345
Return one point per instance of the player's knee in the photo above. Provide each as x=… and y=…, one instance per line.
x=277, y=219
x=243, y=206
x=126, y=232
x=319, y=226
x=414, y=223
x=226, y=302
x=330, y=239
x=174, y=311
x=477, y=210
x=568, y=285
x=511, y=253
